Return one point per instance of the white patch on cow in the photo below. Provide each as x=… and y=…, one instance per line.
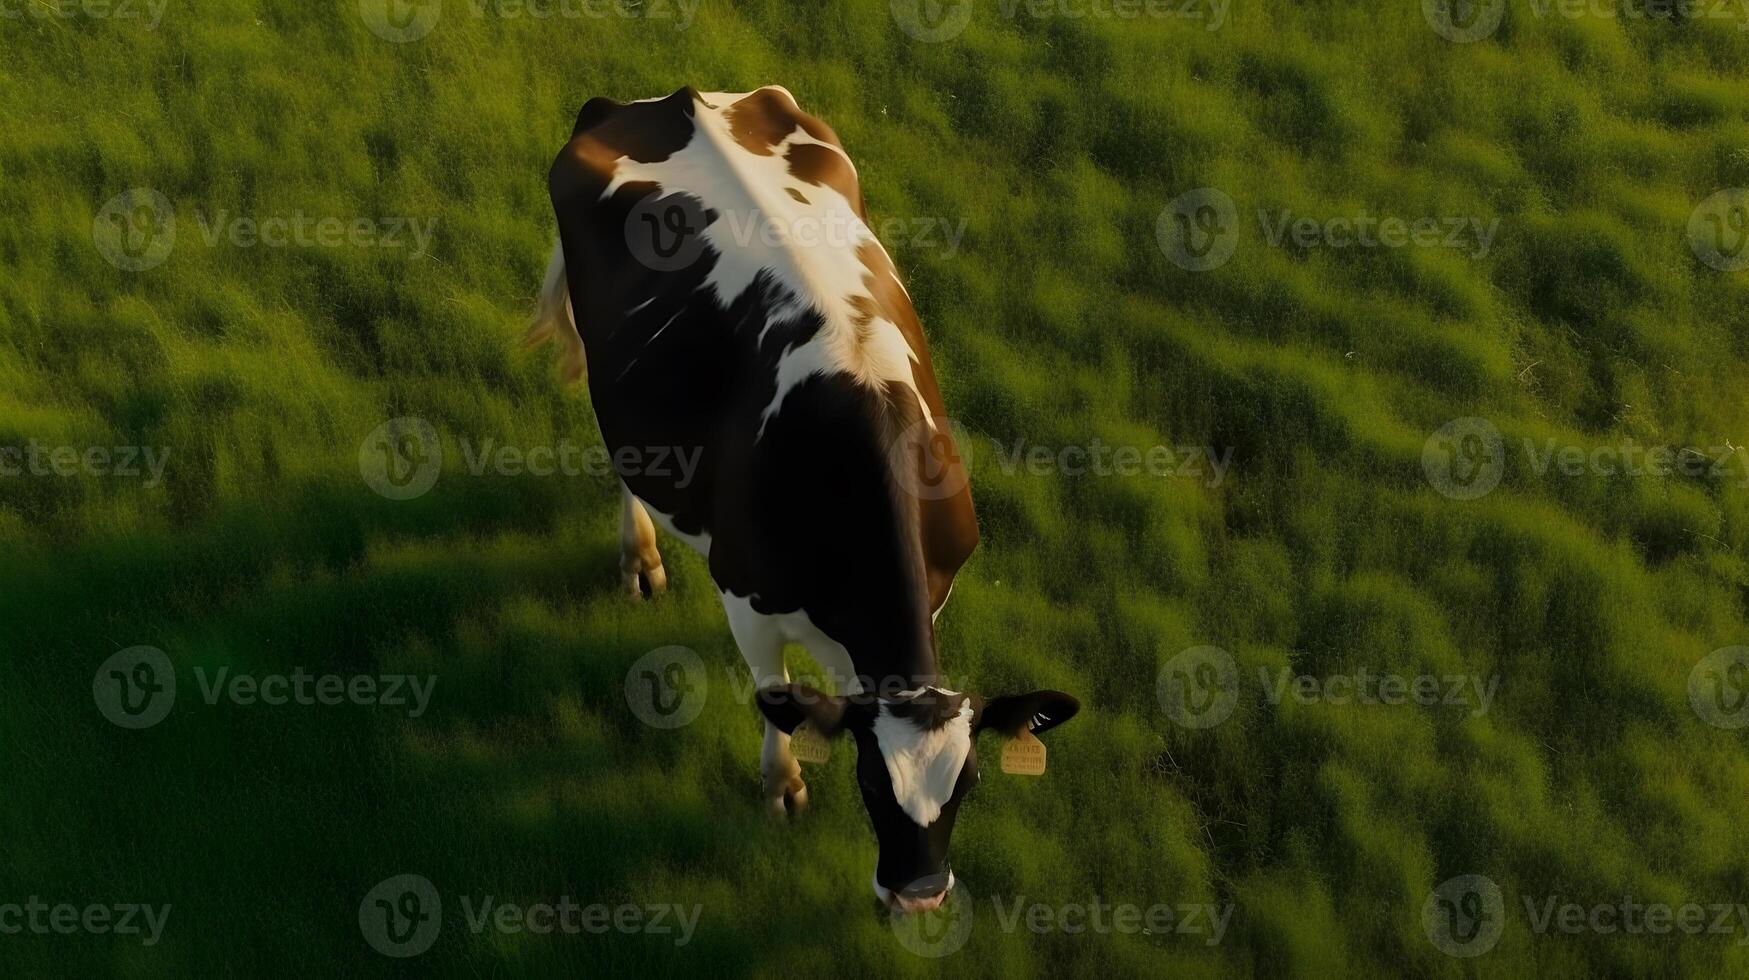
x=812, y=255
x=797, y=627
x=923, y=763
x=937, y=613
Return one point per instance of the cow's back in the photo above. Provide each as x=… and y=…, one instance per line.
x=733, y=304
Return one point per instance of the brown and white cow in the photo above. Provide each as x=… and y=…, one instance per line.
x=716, y=272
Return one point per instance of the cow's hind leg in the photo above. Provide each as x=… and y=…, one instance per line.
x=638, y=557
x=761, y=644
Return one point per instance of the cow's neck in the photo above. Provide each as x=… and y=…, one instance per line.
x=897, y=649
x=906, y=667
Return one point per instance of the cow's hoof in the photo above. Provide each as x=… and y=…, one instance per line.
x=791, y=802
x=645, y=584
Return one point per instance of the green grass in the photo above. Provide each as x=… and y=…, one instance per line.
x=1058, y=320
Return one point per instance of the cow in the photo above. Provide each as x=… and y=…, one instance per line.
x=716, y=279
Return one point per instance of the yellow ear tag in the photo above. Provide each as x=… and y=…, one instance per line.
x=808, y=745
x=1023, y=755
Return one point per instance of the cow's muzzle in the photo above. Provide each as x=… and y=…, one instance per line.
x=923, y=895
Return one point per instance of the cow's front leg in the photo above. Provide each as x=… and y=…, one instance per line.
x=638, y=556
x=781, y=774
x=761, y=645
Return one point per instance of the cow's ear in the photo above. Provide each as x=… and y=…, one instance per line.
x=788, y=705
x=1037, y=712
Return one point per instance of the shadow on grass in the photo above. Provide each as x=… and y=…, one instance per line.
x=526, y=779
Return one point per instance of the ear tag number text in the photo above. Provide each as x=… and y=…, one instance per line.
x=1023, y=755
x=808, y=745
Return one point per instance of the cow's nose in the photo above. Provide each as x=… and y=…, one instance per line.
x=926, y=903
x=925, y=894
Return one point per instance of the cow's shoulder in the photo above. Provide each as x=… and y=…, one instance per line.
x=769, y=120
x=763, y=118
x=607, y=132
x=763, y=122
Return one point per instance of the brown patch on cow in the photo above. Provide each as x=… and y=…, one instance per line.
x=948, y=527
x=605, y=131
x=824, y=166
x=770, y=114
x=762, y=120
x=796, y=194
x=886, y=299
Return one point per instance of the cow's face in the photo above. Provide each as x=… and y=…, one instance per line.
x=916, y=759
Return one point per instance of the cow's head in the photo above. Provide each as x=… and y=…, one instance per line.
x=916, y=759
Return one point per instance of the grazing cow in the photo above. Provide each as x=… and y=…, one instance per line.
x=715, y=271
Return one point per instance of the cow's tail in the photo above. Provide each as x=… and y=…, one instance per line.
x=553, y=317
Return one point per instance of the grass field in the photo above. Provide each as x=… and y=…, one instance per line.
x=1061, y=193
